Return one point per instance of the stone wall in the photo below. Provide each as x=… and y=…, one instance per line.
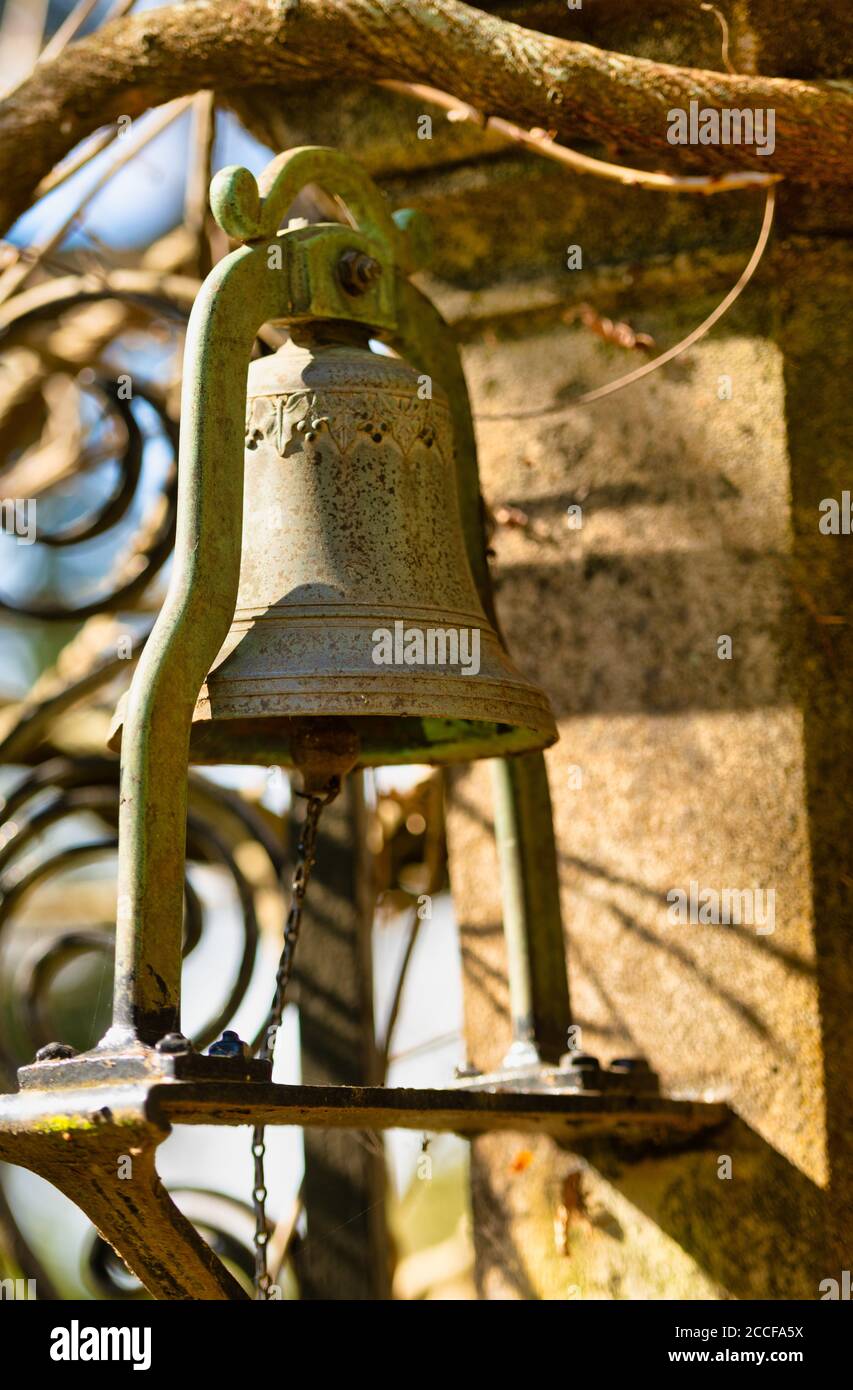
x=673, y=765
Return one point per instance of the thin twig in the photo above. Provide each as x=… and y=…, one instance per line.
x=397, y=1000
x=73, y=22
x=196, y=207
x=75, y=161
x=542, y=143
x=282, y=1237
x=429, y=1045
x=15, y=276
x=723, y=23
x=704, y=327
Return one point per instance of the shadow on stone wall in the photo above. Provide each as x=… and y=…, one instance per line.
x=615, y=638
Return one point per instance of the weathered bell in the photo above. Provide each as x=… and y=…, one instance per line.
x=357, y=616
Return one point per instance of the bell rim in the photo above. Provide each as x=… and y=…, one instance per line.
x=436, y=742
x=418, y=693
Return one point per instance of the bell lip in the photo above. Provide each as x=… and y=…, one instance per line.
x=267, y=741
x=499, y=699
x=438, y=742
x=493, y=727
x=212, y=744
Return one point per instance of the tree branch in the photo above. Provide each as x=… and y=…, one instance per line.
x=541, y=142
x=578, y=91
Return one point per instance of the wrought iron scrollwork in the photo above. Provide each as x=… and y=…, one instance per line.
x=39, y=844
x=136, y=517
x=224, y=1221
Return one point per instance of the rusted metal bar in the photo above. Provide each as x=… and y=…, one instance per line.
x=97, y=1146
x=533, y=928
x=115, y=1111
x=565, y=1117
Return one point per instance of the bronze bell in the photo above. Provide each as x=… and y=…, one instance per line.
x=357, y=617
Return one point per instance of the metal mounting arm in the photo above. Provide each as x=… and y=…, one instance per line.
x=289, y=276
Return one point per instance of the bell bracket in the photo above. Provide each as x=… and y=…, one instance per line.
x=74, y=1116
x=283, y=275
x=80, y=1137
x=252, y=211
x=279, y=276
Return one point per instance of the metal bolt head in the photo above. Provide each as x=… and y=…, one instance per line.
x=629, y=1064
x=229, y=1045
x=55, y=1052
x=522, y=1055
x=357, y=271
x=583, y=1061
x=173, y=1044
x=634, y=1074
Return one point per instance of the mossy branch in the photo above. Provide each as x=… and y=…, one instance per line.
x=579, y=92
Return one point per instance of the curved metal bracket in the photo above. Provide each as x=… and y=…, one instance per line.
x=289, y=276
x=234, y=301
x=97, y=1147
x=251, y=211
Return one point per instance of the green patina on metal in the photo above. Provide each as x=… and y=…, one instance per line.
x=292, y=276
x=125, y=1093
x=238, y=297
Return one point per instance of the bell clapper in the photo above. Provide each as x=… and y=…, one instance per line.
x=323, y=751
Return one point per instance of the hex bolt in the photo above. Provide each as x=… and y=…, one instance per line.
x=357, y=271
x=229, y=1045
x=55, y=1052
x=173, y=1044
x=583, y=1061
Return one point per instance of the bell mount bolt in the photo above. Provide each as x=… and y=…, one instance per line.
x=229, y=1045
x=583, y=1061
x=55, y=1052
x=630, y=1064
x=173, y=1044
x=357, y=271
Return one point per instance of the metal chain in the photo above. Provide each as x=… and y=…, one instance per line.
x=306, y=852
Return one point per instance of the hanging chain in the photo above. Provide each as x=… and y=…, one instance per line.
x=306, y=854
